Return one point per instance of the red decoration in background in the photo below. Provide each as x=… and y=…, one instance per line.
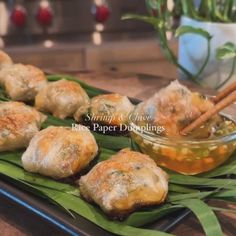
x=18, y=16
x=102, y=13
x=44, y=15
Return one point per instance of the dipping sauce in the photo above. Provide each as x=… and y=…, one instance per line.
x=173, y=108
x=189, y=157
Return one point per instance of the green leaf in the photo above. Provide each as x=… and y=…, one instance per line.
x=112, y=142
x=187, y=29
x=96, y=216
x=152, y=4
x=72, y=203
x=34, y=179
x=105, y=154
x=141, y=218
x=177, y=197
x=188, y=9
x=203, y=182
x=205, y=215
x=225, y=194
x=226, y=51
x=203, y=9
x=181, y=189
x=3, y=96
x=156, y=23
x=134, y=146
x=12, y=157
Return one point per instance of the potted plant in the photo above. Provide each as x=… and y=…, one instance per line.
x=207, y=36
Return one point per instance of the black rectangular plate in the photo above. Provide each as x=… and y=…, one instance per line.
x=40, y=212
x=46, y=214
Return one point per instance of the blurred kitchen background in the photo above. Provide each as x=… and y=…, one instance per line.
x=72, y=35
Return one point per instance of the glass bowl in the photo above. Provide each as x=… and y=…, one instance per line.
x=186, y=156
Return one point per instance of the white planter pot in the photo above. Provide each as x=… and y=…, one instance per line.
x=193, y=50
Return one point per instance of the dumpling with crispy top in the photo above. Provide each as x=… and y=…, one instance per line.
x=22, y=82
x=60, y=152
x=61, y=98
x=173, y=107
x=5, y=60
x=18, y=124
x=126, y=181
x=108, y=109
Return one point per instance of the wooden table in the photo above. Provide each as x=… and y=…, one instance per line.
x=14, y=221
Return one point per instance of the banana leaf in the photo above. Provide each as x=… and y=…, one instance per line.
x=181, y=189
x=20, y=174
x=141, y=218
x=184, y=191
x=205, y=215
x=64, y=195
x=203, y=182
x=12, y=157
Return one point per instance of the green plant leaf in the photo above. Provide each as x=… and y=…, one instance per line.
x=226, y=51
x=134, y=146
x=189, y=9
x=34, y=179
x=96, y=216
x=187, y=29
x=105, y=154
x=13, y=157
x=156, y=23
x=205, y=215
x=203, y=182
x=181, y=189
x=112, y=142
x=3, y=96
x=225, y=194
x=72, y=203
x=177, y=197
x=141, y=218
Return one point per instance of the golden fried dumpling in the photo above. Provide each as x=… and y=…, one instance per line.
x=22, y=82
x=173, y=108
x=18, y=124
x=108, y=109
x=60, y=152
x=5, y=60
x=126, y=181
x=61, y=98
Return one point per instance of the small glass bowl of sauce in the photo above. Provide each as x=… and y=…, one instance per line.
x=189, y=155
